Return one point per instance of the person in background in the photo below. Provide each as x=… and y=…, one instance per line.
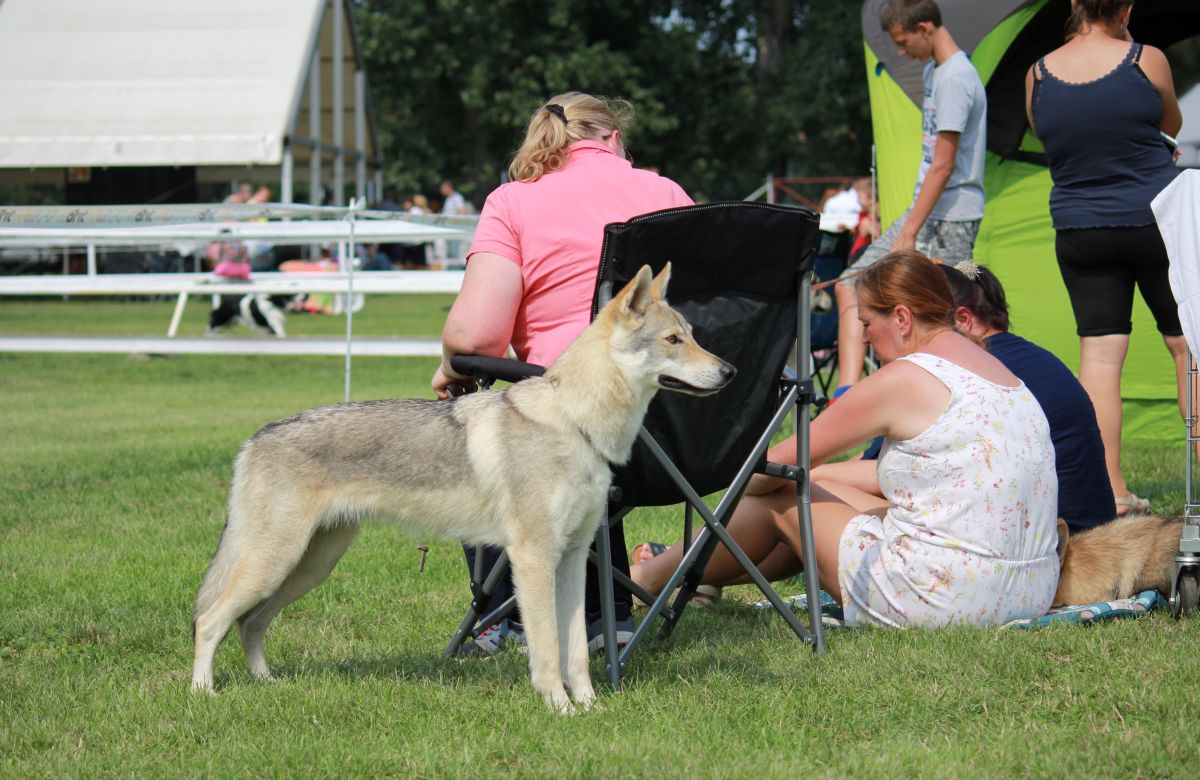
x=1100, y=103
x=453, y=204
x=532, y=267
x=947, y=207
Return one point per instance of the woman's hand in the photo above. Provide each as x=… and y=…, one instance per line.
x=447, y=384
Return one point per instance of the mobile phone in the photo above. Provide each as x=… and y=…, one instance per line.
x=1172, y=144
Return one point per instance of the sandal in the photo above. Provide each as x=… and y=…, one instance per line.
x=638, y=554
x=1132, y=505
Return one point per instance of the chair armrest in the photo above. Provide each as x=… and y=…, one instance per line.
x=492, y=368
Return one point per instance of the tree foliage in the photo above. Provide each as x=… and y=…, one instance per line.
x=726, y=90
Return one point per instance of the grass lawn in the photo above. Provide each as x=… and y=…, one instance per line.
x=115, y=472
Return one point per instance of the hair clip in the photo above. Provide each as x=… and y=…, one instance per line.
x=557, y=110
x=969, y=269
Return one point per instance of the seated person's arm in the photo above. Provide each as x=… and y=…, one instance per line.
x=482, y=317
x=860, y=474
x=883, y=404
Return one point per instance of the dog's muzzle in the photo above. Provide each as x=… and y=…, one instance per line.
x=726, y=373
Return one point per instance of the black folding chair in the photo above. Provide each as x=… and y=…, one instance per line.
x=740, y=275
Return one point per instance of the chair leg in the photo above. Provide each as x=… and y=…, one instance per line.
x=608, y=607
x=481, y=597
x=812, y=586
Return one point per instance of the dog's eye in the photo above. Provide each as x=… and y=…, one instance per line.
x=673, y=339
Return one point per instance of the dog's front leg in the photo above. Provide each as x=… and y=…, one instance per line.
x=533, y=567
x=569, y=589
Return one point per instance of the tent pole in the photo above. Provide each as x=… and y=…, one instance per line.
x=314, y=127
x=360, y=134
x=285, y=172
x=355, y=203
x=339, y=136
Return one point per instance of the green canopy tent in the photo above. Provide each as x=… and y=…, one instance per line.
x=1003, y=38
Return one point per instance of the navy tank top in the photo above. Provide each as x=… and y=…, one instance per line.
x=1107, y=158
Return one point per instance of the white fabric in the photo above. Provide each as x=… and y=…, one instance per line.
x=970, y=534
x=843, y=204
x=146, y=82
x=455, y=204
x=1177, y=211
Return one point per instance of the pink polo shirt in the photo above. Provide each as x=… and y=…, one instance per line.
x=553, y=229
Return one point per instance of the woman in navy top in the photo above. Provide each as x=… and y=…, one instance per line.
x=1100, y=103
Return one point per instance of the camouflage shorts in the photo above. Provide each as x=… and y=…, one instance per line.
x=938, y=238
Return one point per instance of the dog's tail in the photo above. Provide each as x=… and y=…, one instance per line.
x=1117, y=560
x=216, y=575
x=219, y=569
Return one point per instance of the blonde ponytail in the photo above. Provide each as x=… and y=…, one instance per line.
x=560, y=122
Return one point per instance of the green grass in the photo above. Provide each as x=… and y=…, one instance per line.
x=114, y=477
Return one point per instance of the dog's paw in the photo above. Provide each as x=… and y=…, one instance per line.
x=201, y=686
x=558, y=702
x=583, y=694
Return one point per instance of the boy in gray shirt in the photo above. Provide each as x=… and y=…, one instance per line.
x=947, y=204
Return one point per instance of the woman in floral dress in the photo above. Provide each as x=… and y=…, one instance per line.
x=966, y=532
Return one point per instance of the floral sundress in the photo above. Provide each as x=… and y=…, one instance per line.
x=971, y=532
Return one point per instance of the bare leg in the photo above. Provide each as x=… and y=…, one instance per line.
x=325, y=549
x=1177, y=346
x=534, y=567
x=779, y=564
x=1101, y=359
x=760, y=524
x=861, y=500
x=851, y=348
x=572, y=628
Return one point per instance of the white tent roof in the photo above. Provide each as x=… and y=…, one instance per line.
x=150, y=82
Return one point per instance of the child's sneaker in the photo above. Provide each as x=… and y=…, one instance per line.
x=495, y=639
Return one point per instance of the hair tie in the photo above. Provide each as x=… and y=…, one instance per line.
x=969, y=269
x=557, y=110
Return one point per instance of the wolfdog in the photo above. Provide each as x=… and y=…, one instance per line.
x=1117, y=560
x=526, y=467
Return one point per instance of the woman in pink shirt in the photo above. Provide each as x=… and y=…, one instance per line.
x=531, y=269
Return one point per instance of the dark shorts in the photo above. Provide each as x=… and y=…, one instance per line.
x=1100, y=267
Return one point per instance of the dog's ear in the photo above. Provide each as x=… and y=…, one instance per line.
x=659, y=289
x=638, y=293
x=1064, y=539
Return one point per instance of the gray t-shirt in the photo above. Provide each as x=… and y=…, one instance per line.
x=955, y=101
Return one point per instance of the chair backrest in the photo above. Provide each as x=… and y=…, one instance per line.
x=735, y=275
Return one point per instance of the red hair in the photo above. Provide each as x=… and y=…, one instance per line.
x=910, y=279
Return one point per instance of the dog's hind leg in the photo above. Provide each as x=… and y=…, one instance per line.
x=534, y=563
x=255, y=571
x=324, y=550
x=572, y=627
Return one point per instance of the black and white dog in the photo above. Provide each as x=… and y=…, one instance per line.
x=261, y=312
